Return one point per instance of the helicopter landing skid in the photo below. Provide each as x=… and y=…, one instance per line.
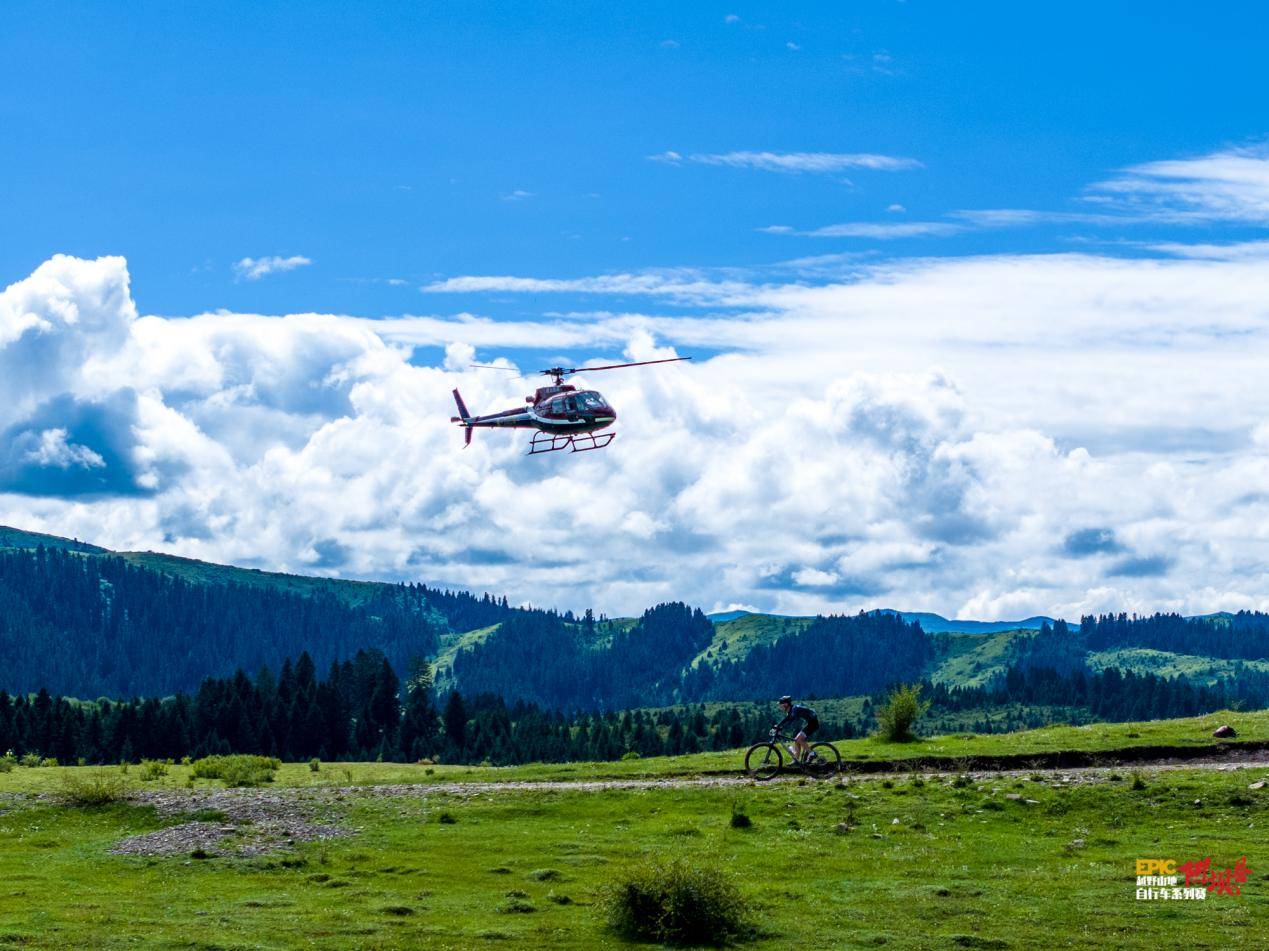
x=577, y=442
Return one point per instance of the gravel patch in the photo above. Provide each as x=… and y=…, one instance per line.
x=219, y=839
x=247, y=821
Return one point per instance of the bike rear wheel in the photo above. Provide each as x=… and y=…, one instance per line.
x=828, y=761
x=763, y=761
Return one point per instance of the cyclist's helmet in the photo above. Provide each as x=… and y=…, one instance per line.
x=785, y=699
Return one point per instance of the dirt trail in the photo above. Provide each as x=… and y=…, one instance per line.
x=241, y=800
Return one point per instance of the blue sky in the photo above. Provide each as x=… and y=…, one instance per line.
x=978, y=296
x=414, y=141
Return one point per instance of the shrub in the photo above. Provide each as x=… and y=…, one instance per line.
x=515, y=906
x=1137, y=782
x=7, y=762
x=631, y=754
x=49, y=761
x=902, y=708
x=237, y=770
x=739, y=818
x=315, y=765
x=152, y=769
x=30, y=760
x=676, y=903
x=95, y=787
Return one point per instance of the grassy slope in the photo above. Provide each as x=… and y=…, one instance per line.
x=19, y=538
x=1166, y=664
x=735, y=639
x=971, y=660
x=204, y=572
x=451, y=644
x=924, y=865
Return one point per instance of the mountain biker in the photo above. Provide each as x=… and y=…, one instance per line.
x=810, y=723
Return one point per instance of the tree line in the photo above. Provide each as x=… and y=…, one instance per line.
x=362, y=710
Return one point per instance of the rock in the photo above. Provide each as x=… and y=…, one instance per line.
x=1259, y=785
x=1014, y=796
x=1198, y=803
x=1224, y=732
x=894, y=822
x=1077, y=844
x=1032, y=802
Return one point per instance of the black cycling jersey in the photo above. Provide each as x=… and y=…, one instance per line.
x=805, y=714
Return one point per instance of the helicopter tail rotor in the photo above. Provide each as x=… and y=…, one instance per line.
x=463, y=417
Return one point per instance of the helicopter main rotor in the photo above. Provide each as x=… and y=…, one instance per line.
x=559, y=373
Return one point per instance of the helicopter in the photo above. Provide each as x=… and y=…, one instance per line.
x=564, y=416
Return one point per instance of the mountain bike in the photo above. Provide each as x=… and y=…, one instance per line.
x=765, y=760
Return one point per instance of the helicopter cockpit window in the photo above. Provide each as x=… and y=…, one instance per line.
x=590, y=400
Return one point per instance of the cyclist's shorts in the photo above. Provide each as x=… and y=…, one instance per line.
x=810, y=728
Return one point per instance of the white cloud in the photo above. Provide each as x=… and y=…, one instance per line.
x=54, y=450
x=997, y=435
x=819, y=463
x=794, y=162
x=252, y=269
x=1230, y=185
x=880, y=230
x=518, y=195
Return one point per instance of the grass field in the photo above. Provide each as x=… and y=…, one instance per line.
x=932, y=863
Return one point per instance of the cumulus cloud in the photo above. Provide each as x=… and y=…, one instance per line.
x=252, y=269
x=793, y=162
x=996, y=435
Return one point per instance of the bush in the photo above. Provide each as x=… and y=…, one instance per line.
x=30, y=760
x=676, y=903
x=631, y=755
x=95, y=787
x=739, y=818
x=238, y=770
x=49, y=761
x=152, y=769
x=7, y=762
x=900, y=711
x=315, y=765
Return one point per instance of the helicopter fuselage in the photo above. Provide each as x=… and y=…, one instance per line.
x=553, y=409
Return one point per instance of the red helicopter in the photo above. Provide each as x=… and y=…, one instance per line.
x=564, y=416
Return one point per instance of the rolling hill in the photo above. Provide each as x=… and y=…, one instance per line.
x=83, y=620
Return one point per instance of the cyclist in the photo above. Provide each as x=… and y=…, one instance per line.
x=810, y=723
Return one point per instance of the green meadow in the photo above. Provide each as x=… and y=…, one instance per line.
x=981, y=860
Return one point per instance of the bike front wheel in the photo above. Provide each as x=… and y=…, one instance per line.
x=827, y=762
x=763, y=761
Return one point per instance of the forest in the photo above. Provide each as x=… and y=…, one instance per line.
x=362, y=710
x=166, y=656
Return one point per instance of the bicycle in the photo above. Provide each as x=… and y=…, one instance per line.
x=765, y=760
